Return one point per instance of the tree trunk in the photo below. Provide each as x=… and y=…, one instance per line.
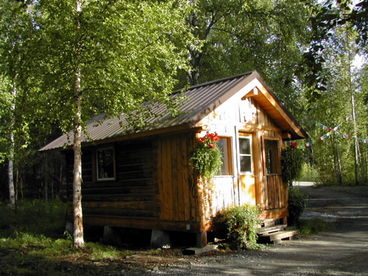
x=78, y=235
x=337, y=161
x=77, y=172
x=11, y=153
x=11, y=171
x=356, y=142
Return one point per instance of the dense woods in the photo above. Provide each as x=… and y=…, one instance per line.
x=63, y=61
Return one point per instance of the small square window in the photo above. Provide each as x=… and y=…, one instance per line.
x=105, y=160
x=245, y=164
x=245, y=154
x=244, y=146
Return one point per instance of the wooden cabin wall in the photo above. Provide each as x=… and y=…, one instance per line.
x=153, y=189
x=178, y=199
x=131, y=199
x=245, y=117
x=272, y=192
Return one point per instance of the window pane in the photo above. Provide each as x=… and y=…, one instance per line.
x=245, y=163
x=223, y=144
x=105, y=164
x=244, y=145
x=271, y=156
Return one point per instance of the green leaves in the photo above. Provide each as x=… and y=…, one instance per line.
x=241, y=224
x=240, y=36
x=206, y=158
x=129, y=52
x=292, y=159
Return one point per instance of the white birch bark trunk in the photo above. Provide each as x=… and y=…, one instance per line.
x=11, y=171
x=78, y=236
x=11, y=153
x=356, y=142
x=77, y=171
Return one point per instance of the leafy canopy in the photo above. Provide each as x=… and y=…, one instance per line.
x=128, y=53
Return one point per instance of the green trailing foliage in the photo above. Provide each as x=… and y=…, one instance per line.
x=296, y=205
x=240, y=224
x=207, y=158
x=291, y=162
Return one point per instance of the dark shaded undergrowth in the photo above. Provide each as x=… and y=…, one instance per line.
x=33, y=242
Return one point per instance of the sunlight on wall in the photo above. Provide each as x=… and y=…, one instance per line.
x=248, y=189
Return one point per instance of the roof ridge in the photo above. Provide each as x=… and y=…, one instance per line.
x=220, y=80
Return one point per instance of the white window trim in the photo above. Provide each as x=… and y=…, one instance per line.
x=97, y=169
x=249, y=137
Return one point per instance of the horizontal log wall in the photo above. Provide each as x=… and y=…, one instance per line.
x=154, y=187
x=134, y=191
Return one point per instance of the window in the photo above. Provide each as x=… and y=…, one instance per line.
x=105, y=164
x=225, y=146
x=245, y=154
x=272, y=158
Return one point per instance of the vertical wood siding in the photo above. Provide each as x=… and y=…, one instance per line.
x=176, y=190
x=272, y=192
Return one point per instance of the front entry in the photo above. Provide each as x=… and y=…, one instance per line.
x=275, y=191
x=246, y=187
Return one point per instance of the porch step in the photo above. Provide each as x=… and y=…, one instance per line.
x=271, y=229
x=268, y=223
x=274, y=231
x=278, y=236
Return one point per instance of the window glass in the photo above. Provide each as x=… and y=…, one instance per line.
x=271, y=156
x=245, y=154
x=244, y=145
x=224, y=145
x=105, y=164
x=245, y=164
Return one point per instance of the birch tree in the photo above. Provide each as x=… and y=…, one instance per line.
x=15, y=30
x=105, y=57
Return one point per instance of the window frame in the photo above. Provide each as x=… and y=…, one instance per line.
x=276, y=158
x=228, y=155
x=113, y=164
x=250, y=138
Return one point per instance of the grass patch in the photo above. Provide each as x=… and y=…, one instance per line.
x=312, y=226
x=32, y=243
x=33, y=216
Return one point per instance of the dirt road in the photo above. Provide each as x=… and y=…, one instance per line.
x=343, y=250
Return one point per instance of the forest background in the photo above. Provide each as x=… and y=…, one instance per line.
x=311, y=53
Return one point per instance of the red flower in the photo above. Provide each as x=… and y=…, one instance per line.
x=201, y=140
x=294, y=144
x=213, y=137
x=212, y=146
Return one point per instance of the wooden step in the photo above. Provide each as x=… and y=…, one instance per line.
x=268, y=222
x=271, y=229
x=278, y=237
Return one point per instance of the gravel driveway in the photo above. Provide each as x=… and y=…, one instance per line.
x=340, y=251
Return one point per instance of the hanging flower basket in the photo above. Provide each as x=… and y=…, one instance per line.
x=206, y=158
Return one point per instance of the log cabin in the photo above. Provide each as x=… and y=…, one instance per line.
x=143, y=179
